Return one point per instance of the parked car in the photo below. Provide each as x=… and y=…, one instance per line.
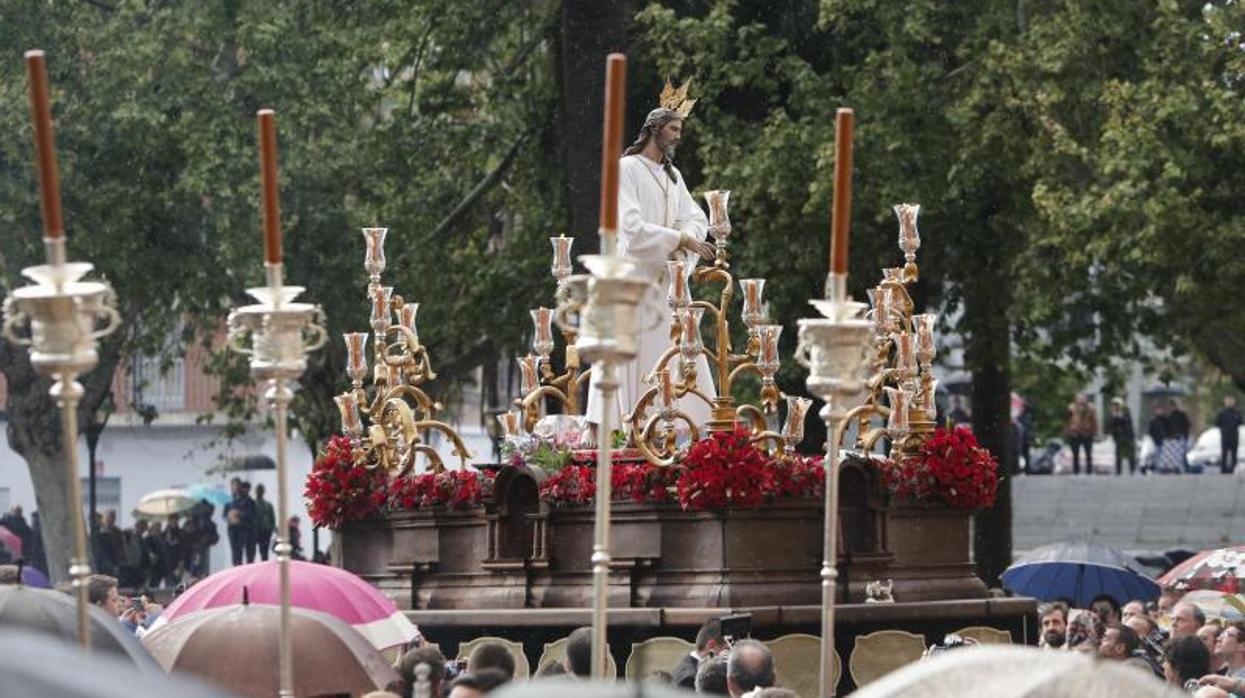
x=1206, y=450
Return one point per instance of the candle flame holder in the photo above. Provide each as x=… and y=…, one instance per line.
x=392, y=427
x=60, y=318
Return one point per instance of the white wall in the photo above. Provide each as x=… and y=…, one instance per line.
x=174, y=455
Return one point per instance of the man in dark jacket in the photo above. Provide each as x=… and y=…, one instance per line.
x=709, y=641
x=240, y=518
x=1229, y=422
x=1120, y=427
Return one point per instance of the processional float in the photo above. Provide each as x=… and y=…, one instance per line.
x=60, y=317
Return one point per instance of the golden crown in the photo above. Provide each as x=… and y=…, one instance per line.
x=676, y=100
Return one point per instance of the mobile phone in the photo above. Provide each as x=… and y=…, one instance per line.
x=136, y=603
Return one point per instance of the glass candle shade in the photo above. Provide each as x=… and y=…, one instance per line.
x=753, y=313
x=678, y=296
x=690, y=344
x=719, y=221
x=509, y=422
x=883, y=307
x=542, y=325
x=382, y=315
x=665, y=393
x=529, y=374
x=406, y=318
x=561, y=256
x=356, y=355
x=767, y=358
x=897, y=422
x=909, y=238
x=349, y=408
x=793, y=428
x=892, y=274
x=925, y=399
x=923, y=325
x=905, y=354
x=374, y=255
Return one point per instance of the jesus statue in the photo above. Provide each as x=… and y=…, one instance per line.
x=658, y=221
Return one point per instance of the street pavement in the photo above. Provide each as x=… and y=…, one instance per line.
x=1135, y=514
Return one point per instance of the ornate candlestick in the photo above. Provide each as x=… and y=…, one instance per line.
x=399, y=414
x=760, y=357
x=60, y=318
x=277, y=333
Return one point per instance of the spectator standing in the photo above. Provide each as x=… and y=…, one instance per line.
x=201, y=535
x=1080, y=428
x=294, y=529
x=111, y=544
x=1187, y=619
x=1157, y=430
x=156, y=563
x=240, y=522
x=1230, y=649
x=1054, y=619
x=750, y=666
x=133, y=554
x=265, y=522
x=1229, y=422
x=711, y=677
x=1176, y=444
x=15, y=521
x=1186, y=661
x=1120, y=428
x=175, y=552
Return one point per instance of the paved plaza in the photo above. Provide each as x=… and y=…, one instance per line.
x=1135, y=514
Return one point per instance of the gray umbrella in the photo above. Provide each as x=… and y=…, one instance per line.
x=1009, y=671
x=54, y=613
x=37, y=664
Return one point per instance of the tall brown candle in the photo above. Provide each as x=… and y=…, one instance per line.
x=268, y=181
x=611, y=146
x=41, y=115
x=840, y=217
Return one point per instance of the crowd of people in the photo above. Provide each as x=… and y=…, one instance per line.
x=1171, y=638
x=716, y=667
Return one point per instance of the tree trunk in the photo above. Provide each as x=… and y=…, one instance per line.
x=988, y=356
x=34, y=433
x=590, y=30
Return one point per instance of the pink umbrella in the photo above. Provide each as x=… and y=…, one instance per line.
x=11, y=541
x=316, y=587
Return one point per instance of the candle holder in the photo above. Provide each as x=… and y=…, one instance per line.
x=834, y=350
x=563, y=387
x=608, y=335
x=60, y=318
x=651, y=432
x=398, y=418
x=902, y=359
x=277, y=333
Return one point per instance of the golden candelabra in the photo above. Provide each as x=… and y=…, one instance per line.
x=655, y=435
x=901, y=387
x=537, y=378
x=400, y=414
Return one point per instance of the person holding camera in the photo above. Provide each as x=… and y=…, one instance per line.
x=709, y=642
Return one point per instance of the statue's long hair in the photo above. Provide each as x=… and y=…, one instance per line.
x=656, y=120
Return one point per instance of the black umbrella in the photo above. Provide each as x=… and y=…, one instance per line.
x=55, y=613
x=37, y=664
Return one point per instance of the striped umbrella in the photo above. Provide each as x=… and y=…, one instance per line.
x=1080, y=571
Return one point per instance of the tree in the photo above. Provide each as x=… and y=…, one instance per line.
x=382, y=118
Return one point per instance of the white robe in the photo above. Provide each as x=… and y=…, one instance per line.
x=649, y=222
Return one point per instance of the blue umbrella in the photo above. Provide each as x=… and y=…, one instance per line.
x=1080, y=571
x=212, y=493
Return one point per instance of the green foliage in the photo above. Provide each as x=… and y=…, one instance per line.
x=384, y=118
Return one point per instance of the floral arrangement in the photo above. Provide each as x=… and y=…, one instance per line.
x=951, y=467
x=573, y=484
x=724, y=469
x=455, y=489
x=643, y=482
x=340, y=490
